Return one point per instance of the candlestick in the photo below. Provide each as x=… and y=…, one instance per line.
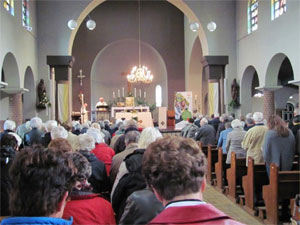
x=123, y=92
x=144, y=94
x=118, y=93
x=135, y=92
x=114, y=94
x=140, y=93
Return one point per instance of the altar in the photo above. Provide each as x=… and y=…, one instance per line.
x=144, y=119
x=115, y=110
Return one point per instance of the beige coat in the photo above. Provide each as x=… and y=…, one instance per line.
x=253, y=142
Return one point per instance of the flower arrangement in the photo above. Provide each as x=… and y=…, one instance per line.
x=44, y=102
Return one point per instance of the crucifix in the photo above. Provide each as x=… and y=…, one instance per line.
x=80, y=76
x=124, y=74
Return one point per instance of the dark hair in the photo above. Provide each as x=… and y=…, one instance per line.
x=296, y=119
x=8, y=140
x=249, y=121
x=277, y=124
x=82, y=165
x=174, y=166
x=60, y=144
x=191, y=120
x=40, y=178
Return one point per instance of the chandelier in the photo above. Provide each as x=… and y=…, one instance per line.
x=140, y=73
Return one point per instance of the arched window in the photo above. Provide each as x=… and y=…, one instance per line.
x=252, y=15
x=278, y=7
x=158, y=96
x=9, y=6
x=25, y=14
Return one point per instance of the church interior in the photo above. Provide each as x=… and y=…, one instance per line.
x=58, y=57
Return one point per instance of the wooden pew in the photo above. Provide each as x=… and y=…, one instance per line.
x=212, y=158
x=254, y=180
x=204, y=148
x=283, y=185
x=235, y=173
x=220, y=170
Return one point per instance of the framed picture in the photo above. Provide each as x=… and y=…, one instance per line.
x=129, y=101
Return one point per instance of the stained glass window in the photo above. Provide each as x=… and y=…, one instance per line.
x=25, y=13
x=252, y=15
x=9, y=6
x=278, y=7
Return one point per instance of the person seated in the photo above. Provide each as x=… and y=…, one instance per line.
x=223, y=120
x=179, y=182
x=23, y=129
x=129, y=177
x=234, y=141
x=279, y=145
x=8, y=150
x=105, y=133
x=131, y=142
x=223, y=137
x=98, y=179
x=59, y=132
x=85, y=206
x=206, y=133
x=41, y=181
x=189, y=130
x=102, y=151
x=35, y=135
x=254, y=139
x=60, y=144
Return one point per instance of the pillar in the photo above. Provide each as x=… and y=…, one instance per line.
x=15, y=108
x=52, y=94
x=269, y=103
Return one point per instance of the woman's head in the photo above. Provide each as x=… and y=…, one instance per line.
x=277, y=124
x=148, y=135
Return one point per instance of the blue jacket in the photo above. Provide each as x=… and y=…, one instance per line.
x=223, y=138
x=36, y=220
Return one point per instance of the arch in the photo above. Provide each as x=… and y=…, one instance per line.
x=193, y=80
x=110, y=63
x=273, y=69
x=180, y=4
x=11, y=71
x=29, y=98
x=250, y=81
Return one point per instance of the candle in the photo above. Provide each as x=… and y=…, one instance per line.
x=144, y=94
x=135, y=92
x=123, y=92
x=140, y=93
x=114, y=94
x=118, y=93
x=196, y=97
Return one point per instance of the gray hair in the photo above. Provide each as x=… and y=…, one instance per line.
x=236, y=124
x=86, y=142
x=149, y=135
x=36, y=122
x=132, y=137
x=258, y=117
x=227, y=125
x=249, y=116
x=59, y=132
x=50, y=124
x=203, y=121
x=84, y=169
x=95, y=133
x=249, y=121
x=9, y=125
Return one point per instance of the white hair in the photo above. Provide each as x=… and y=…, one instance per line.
x=96, y=125
x=86, y=125
x=203, y=121
x=148, y=135
x=36, y=122
x=118, y=121
x=50, y=124
x=9, y=125
x=19, y=140
x=86, y=142
x=236, y=124
x=249, y=116
x=59, y=132
x=258, y=117
x=95, y=133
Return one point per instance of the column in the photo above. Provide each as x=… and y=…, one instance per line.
x=52, y=93
x=70, y=93
x=269, y=103
x=15, y=108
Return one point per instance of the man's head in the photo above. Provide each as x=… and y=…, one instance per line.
x=101, y=99
x=9, y=125
x=250, y=122
x=258, y=117
x=132, y=137
x=36, y=122
x=174, y=166
x=203, y=122
x=41, y=180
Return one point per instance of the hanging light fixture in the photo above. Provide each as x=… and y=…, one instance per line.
x=90, y=24
x=140, y=73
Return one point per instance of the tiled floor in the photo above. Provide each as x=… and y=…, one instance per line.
x=233, y=210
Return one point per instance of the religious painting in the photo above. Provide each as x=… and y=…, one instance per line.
x=129, y=101
x=183, y=106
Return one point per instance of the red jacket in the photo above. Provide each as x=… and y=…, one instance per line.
x=104, y=154
x=89, y=209
x=198, y=214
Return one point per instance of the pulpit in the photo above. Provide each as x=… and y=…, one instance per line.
x=102, y=115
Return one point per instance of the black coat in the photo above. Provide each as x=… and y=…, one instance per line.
x=33, y=137
x=130, y=182
x=98, y=180
x=206, y=134
x=46, y=139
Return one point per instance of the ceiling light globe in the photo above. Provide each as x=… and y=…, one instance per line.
x=194, y=26
x=91, y=24
x=211, y=26
x=72, y=24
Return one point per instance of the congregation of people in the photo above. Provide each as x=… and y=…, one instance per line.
x=119, y=173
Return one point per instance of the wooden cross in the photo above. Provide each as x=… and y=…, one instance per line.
x=80, y=76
